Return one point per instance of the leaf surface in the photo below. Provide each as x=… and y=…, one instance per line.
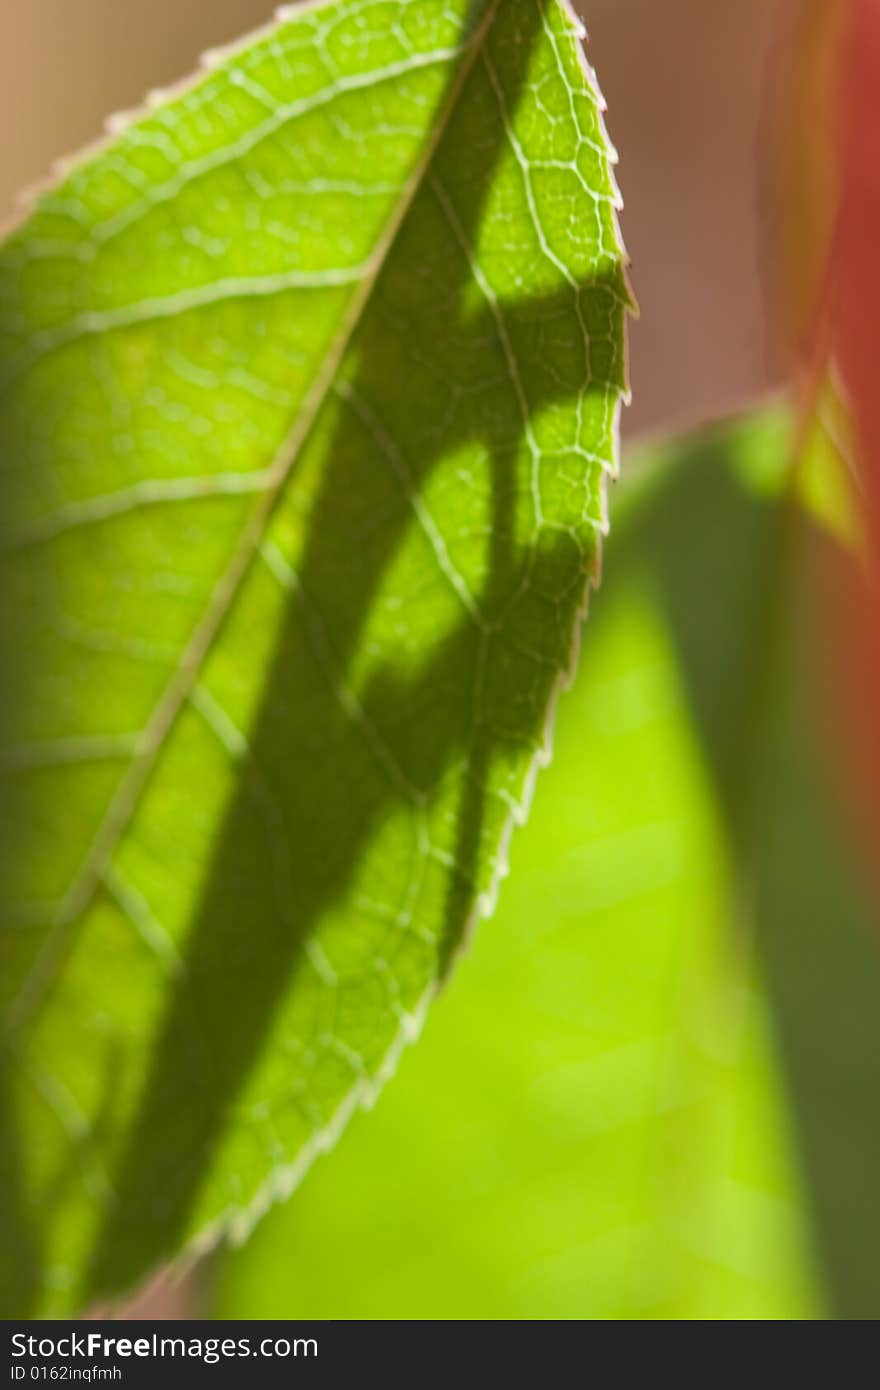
x=310, y=382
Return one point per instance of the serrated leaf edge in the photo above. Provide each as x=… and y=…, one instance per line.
x=235, y=1224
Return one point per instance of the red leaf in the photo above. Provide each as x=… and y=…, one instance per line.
x=848, y=327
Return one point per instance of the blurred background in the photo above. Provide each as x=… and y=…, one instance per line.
x=646, y=1093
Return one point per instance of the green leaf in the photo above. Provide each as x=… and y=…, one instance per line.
x=310, y=383
x=676, y=1127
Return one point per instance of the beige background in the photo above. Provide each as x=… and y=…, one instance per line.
x=683, y=79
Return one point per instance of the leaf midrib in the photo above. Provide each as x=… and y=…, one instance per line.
x=134, y=782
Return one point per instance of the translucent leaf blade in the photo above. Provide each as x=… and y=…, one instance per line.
x=306, y=439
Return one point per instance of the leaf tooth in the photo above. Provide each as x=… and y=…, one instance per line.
x=118, y=122
x=160, y=96
x=214, y=58
x=616, y=197
x=26, y=199
x=62, y=167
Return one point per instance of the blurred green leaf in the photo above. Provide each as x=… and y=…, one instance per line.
x=310, y=381
x=648, y=1094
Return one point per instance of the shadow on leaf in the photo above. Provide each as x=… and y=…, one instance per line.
x=313, y=758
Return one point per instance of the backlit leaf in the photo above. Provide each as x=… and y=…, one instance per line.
x=310, y=383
